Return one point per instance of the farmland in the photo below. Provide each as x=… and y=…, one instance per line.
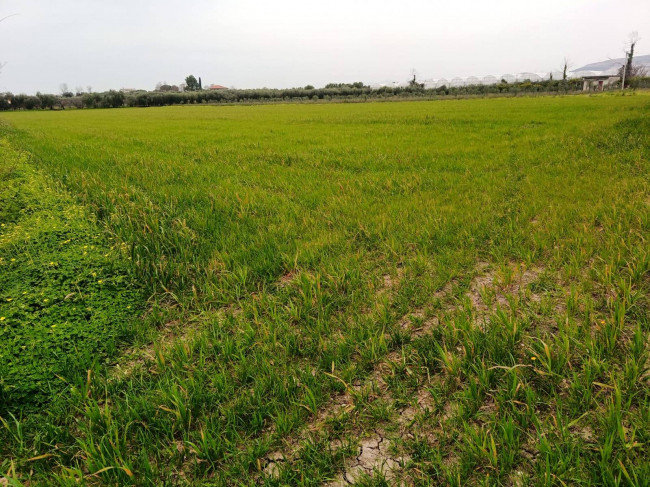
x=439, y=293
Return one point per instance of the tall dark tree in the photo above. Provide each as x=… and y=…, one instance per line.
x=200, y=84
x=413, y=82
x=191, y=84
x=565, y=68
x=634, y=38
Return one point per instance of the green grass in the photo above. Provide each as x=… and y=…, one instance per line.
x=466, y=280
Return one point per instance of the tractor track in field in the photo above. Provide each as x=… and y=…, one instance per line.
x=378, y=449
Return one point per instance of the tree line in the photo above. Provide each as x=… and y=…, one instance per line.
x=331, y=92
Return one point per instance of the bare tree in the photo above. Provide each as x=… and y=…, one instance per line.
x=566, y=65
x=632, y=40
x=89, y=89
x=413, y=82
x=639, y=71
x=636, y=71
x=79, y=90
x=63, y=88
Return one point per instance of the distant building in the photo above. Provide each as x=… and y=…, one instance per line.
x=216, y=87
x=605, y=74
x=599, y=82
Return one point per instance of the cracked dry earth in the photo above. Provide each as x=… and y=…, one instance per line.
x=373, y=456
x=377, y=451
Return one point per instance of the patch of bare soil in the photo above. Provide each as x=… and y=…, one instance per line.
x=423, y=402
x=271, y=463
x=494, y=288
x=286, y=279
x=517, y=479
x=373, y=456
x=390, y=282
x=490, y=289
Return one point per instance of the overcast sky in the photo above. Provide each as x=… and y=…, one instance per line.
x=284, y=43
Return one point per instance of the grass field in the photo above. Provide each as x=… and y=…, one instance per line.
x=433, y=293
